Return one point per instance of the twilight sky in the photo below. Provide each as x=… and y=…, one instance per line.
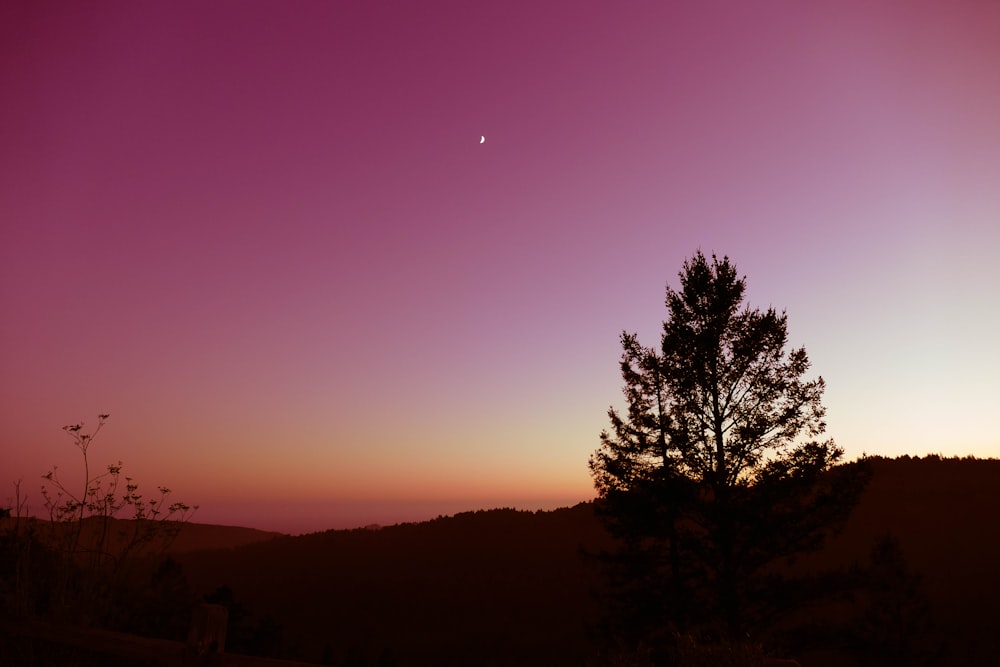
x=265, y=237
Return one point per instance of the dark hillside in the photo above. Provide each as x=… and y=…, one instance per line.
x=503, y=587
x=201, y=536
x=946, y=515
x=498, y=587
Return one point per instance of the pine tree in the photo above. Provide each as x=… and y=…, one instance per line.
x=716, y=472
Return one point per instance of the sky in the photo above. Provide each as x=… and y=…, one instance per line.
x=267, y=239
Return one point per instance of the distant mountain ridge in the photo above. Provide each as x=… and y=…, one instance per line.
x=203, y=536
x=190, y=536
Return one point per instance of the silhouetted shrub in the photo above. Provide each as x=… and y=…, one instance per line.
x=893, y=626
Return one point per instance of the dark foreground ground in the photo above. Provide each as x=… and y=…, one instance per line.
x=503, y=587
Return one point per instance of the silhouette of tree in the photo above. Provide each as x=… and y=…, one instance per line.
x=895, y=626
x=715, y=474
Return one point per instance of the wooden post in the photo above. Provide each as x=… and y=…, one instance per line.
x=207, y=634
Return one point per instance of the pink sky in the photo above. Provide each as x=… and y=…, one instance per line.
x=265, y=237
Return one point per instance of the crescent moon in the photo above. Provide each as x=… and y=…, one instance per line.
x=482, y=140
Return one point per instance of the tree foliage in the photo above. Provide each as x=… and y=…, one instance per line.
x=716, y=472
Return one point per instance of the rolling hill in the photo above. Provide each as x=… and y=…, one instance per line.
x=505, y=587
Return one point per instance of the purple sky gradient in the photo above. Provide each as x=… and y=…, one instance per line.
x=265, y=237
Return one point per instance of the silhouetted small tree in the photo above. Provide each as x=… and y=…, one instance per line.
x=716, y=473
x=894, y=627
